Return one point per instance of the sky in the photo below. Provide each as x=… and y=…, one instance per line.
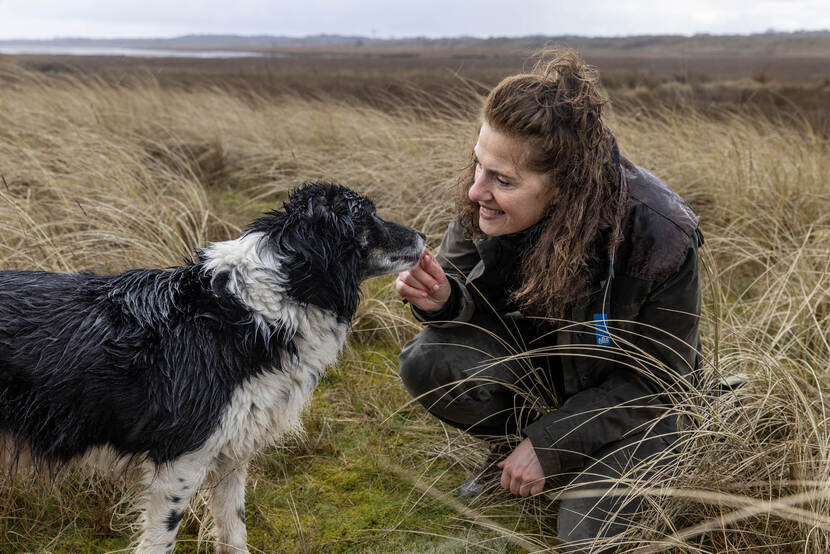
x=408, y=18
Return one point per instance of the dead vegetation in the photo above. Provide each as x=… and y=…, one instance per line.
x=99, y=175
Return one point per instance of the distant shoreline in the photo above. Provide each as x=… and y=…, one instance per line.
x=801, y=42
x=58, y=50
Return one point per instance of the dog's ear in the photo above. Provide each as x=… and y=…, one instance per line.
x=324, y=204
x=332, y=214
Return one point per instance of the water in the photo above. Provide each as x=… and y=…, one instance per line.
x=131, y=52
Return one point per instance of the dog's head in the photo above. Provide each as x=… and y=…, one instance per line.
x=328, y=239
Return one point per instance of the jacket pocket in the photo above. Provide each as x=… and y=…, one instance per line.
x=598, y=337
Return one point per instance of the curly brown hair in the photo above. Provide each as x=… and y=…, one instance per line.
x=556, y=109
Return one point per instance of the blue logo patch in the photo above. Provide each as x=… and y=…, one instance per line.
x=601, y=326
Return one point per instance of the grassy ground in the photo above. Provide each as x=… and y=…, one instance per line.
x=102, y=177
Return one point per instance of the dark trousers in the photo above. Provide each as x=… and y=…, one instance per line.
x=476, y=378
x=479, y=377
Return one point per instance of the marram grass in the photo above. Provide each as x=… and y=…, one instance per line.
x=98, y=177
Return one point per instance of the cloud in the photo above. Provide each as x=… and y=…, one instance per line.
x=384, y=18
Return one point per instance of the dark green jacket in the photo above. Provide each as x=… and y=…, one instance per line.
x=625, y=345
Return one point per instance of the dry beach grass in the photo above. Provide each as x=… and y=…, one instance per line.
x=102, y=177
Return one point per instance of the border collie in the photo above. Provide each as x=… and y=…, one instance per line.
x=187, y=373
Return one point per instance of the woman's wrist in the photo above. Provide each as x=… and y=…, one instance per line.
x=447, y=310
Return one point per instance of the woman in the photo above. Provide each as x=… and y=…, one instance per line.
x=562, y=307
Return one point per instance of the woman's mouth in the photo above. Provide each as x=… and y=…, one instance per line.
x=488, y=213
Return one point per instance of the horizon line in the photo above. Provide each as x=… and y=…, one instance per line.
x=769, y=32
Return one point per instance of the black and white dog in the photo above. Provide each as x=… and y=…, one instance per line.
x=188, y=372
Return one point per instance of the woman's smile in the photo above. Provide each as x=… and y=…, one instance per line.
x=489, y=213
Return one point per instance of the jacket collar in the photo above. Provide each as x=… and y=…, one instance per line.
x=500, y=255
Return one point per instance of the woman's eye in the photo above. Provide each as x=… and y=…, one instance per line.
x=502, y=181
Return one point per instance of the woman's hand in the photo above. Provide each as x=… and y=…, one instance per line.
x=521, y=471
x=425, y=286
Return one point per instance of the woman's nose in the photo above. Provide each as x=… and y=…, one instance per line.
x=478, y=192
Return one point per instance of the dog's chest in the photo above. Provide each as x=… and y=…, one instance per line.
x=269, y=405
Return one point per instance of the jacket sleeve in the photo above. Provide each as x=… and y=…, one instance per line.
x=457, y=255
x=652, y=363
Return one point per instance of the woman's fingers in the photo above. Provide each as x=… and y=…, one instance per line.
x=521, y=472
x=422, y=278
x=520, y=484
x=537, y=487
x=432, y=268
x=513, y=482
x=420, y=286
x=408, y=287
x=427, y=275
x=411, y=279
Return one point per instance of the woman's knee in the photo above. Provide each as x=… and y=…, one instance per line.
x=454, y=374
x=419, y=365
x=440, y=356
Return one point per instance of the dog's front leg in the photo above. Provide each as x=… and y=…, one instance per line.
x=169, y=491
x=227, y=505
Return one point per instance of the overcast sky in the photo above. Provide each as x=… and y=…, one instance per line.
x=395, y=19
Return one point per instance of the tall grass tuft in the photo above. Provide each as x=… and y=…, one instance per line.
x=753, y=469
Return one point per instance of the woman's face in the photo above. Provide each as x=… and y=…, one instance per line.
x=510, y=197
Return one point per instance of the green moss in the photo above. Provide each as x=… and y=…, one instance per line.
x=341, y=498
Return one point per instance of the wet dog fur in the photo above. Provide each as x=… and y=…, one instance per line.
x=187, y=373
